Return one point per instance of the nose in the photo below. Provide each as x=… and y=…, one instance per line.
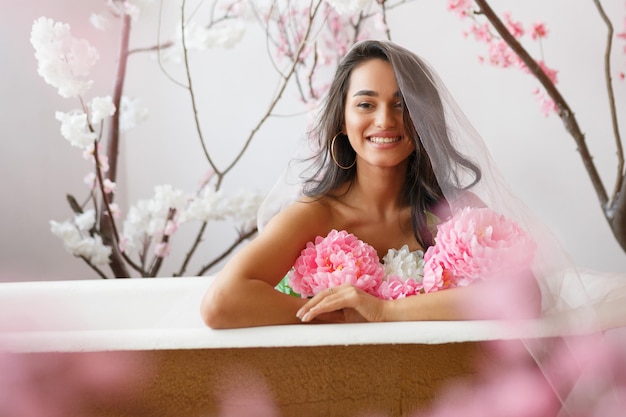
x=386, y=118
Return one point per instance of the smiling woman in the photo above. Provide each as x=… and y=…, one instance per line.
x=394, y=163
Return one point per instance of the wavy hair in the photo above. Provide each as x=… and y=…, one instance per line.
x=421, y=191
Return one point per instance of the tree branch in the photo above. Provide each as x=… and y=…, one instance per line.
x=192, y=95
x=192, y=250
x=278, y=96
x=609, y=88
x=227, y=252
x=564, y=111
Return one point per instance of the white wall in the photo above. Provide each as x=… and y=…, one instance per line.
x=535, y=153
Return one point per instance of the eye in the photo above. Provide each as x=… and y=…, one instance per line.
x=399, y=105
x=365, y=105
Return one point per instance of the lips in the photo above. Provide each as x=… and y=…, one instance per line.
x=384, y=140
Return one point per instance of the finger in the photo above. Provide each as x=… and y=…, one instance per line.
x=328, y=303
x=314, y=301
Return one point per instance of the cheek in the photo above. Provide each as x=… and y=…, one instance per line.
x=353, y=123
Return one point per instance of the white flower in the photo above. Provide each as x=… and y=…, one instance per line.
x=245, y=206
x=109, y=186
x=404, y=264
x=101, y=108
x=226, y=35
x=98, y=252
x=63, y=61
x=148, y=218
x=131, y=113
x=210, y=205
x=349, y=6
x=86, y=220
x=90, y=180
x=91, y=248
x=200, y=38
x=99, y=21
x=65, y=231
x=115, y=210
x=74, y=128
x=132, y=8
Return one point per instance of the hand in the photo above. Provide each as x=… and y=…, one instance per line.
x=355, y=304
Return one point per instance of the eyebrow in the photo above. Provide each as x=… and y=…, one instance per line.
x=371, y=93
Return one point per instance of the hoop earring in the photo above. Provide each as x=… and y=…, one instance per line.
x=332, y=154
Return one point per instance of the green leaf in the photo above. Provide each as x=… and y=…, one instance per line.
x=283, y=286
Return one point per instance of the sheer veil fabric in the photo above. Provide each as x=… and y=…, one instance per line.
x=577, y=301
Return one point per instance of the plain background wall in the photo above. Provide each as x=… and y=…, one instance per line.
x=535, y=153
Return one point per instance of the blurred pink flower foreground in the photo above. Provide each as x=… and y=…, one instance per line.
x=339, y=258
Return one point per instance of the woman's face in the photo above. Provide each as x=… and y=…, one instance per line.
x=373, y=119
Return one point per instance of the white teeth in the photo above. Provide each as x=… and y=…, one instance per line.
x=384, y=140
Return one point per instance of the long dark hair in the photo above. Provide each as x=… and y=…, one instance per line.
x=421, y=190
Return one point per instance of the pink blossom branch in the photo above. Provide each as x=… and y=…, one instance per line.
x=564, y=111
x=114, y=134
x=112, y=239
x=107, y=223
x=609, y=87
x=158, y=260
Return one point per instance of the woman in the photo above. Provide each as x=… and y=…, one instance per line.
x=388, y=155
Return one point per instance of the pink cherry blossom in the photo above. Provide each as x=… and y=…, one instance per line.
x=538, y=30
x=515, y=28
x=162, y=250
x=394, y=287
x=547, y=104
x=501, y=55
x=476, y=243
x=481, y=32
x=336, y=259
x=460, y=7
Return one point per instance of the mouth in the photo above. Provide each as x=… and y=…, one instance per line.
x=384, y=140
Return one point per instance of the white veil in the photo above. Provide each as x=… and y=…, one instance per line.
x=577, y=301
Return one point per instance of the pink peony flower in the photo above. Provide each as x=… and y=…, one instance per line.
x=394, y=287
x=476, y=243
x=339, y=258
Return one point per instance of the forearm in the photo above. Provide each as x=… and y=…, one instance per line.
x=450, y=304
x=478, y=301
x=248, y=303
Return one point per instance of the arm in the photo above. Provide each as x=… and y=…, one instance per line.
x=243, y=294
x=494, y=299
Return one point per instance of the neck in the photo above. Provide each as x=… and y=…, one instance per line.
x=379, y=189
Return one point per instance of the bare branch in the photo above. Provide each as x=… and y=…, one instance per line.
x=193, y=97
x=192, y=250
x=228, y=251
x=609, y=88
x=280, y=92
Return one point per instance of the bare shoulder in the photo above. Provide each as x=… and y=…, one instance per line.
x=273, y=252
x=306, y=217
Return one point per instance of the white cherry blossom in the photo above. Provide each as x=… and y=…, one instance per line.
x=74, y=128
x=63, y=61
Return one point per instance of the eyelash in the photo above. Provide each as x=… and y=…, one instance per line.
x=366, y=105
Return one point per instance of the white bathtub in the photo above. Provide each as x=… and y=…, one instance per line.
x=333, y=370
